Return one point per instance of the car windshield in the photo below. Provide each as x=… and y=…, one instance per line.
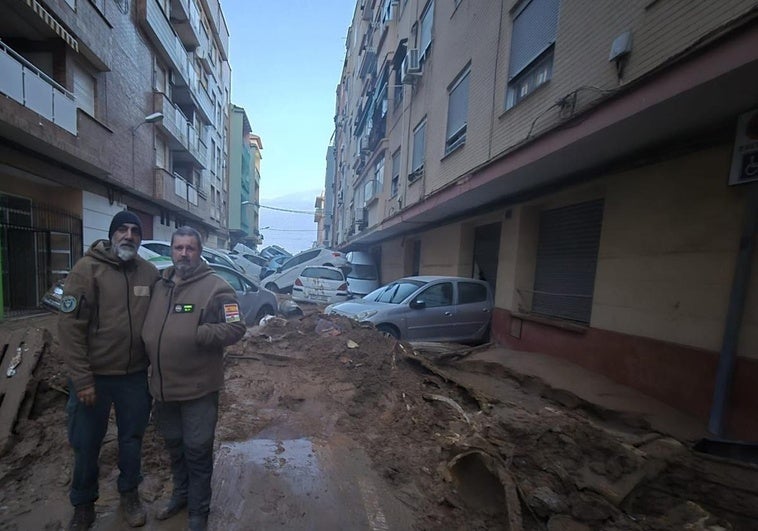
x=363, y=272
x=397, y=292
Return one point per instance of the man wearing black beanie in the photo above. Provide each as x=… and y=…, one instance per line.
x=104, y=304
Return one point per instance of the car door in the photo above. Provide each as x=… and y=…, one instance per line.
x=473, y=310
x=247, y=298
x=432, y=321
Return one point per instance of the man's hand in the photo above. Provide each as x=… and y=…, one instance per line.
x=87, y=396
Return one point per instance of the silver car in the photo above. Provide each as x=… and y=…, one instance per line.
x=425, y=308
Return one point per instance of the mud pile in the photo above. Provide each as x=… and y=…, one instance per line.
x=458, y=455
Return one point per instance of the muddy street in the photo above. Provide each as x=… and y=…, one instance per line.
x=328, y=425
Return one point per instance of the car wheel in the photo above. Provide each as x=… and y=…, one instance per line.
x=263, y=312
x=389, y=330
x=272, y=287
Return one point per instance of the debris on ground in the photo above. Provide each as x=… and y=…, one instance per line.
x=494, y=455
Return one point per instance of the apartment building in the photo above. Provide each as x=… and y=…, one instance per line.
x=108, y=104
x=596, y=162
x=244, y=179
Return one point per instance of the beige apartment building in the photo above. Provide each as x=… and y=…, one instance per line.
x=596, y=162
x=107, y=104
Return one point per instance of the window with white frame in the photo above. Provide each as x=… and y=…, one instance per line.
x=457, y=112
x=395, y=185
x=427, y=24
x=379, y=175
x=535, y=25
x=419, y=147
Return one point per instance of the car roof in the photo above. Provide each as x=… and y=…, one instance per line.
x=432, y=278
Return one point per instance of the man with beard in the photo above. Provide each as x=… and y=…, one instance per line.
x=193, y=315
x=104, y=304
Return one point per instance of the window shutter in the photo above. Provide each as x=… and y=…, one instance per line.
x=564, y=279
x=84, y=90
x=534, y=30
x=457, y=110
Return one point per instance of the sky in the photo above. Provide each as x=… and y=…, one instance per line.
x=286, y=58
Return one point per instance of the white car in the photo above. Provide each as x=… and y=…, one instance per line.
x=251, y=263
x=320, y=285
x=212, y=256
x=284, y=278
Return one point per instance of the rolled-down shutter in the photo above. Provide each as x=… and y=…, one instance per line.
x=564, y=278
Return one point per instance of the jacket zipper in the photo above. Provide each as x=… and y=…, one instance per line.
x=129, y=312
x=160, y=338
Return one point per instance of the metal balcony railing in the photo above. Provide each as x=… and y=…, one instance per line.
x=23, y=82
x=162, y=34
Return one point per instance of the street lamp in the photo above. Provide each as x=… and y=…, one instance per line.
x=149, y=119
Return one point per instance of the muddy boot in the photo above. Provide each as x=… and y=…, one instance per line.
x=174, y=506
x=84, y=517
x=134, y=513
x=197, y=522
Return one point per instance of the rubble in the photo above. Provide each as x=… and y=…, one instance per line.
x=459, y=455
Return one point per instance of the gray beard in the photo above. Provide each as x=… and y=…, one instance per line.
x=185, y=270
x=125, y=253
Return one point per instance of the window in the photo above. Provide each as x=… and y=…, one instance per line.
x=427, y=22
x=457, y=112
x=437, y=295
x=471, y=292
x=84, y=90
x=395, y=186
x=379, y=175
x=419, y=146
x=567, y=248
x=532, y=41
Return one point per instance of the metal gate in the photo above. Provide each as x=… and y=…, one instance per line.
x=564, y=278
x=39, y=243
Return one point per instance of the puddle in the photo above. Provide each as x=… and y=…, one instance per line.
x=301, y=484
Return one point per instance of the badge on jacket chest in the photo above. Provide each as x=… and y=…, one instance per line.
x=184, y=308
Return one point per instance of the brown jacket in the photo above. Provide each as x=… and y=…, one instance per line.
x=103, y=307
x=189, y=323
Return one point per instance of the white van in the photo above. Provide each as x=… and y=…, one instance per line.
x=363, y=277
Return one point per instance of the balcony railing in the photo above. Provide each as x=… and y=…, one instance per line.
x=23, y=82
x=183, y=134
x=173, y=190
x=163, y=35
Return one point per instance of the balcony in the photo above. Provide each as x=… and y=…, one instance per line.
x=186, y=20
x=180, y=132
x=173, y=191
x=169, y=45
x=218, y=25
x=23, y=82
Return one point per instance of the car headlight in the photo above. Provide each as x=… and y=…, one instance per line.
x=365, y=315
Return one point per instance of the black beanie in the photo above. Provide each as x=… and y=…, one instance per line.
x=124, y=217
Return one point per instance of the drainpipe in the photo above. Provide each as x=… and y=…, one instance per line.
x=728, y=354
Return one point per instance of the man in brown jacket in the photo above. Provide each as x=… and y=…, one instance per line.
x=104, y=304
x=193, y=315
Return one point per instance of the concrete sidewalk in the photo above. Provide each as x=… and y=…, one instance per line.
x=595, y=389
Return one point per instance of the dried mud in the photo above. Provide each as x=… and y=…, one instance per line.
x=495, y=454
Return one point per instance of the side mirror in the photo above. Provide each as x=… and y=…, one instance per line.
x=418, y=304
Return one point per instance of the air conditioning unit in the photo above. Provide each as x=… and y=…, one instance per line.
x=410, y=68
x=339, y=197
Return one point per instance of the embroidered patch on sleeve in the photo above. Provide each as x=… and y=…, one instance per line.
x=231, y=313
x=68, y=304
x=141, y=291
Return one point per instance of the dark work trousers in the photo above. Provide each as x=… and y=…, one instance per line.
x=188, y=427
x=87, y=425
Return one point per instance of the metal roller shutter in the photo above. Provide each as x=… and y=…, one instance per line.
x=567, y=249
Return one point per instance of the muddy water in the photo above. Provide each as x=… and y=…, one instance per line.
x=301, y=484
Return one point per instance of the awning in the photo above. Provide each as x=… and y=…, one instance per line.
x=53, y=24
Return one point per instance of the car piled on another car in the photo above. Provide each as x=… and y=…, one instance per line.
x=284, y=278
x=321, y=285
